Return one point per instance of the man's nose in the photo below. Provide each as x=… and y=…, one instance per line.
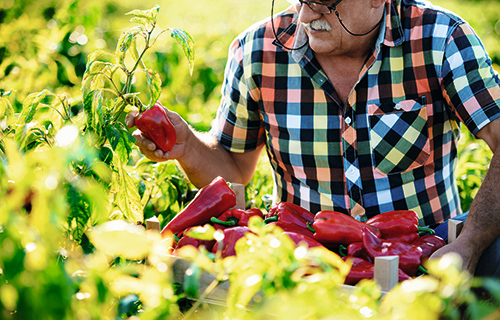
x=306, y=14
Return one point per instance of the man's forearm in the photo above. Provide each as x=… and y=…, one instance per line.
x=483, y=222
x=204, y=159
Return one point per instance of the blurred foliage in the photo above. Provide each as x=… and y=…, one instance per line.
x=272, y=278
x=44, y=45
x=66, y=251
x=474, y=157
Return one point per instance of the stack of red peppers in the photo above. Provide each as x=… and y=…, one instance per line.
x=390, y=233
x=212, y=204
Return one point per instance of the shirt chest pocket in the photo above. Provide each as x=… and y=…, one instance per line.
x=399, y=135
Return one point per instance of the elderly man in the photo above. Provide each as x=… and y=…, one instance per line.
x=358, y=104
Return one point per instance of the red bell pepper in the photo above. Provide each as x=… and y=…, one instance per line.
x=409, y=255
x=231, y=236
x=293, y=228
x=400, y=225
x=290, y=217
x=298, y=238
x=362, y=269
x=186, y=240
x=155, y=126
x=335, y=228
x=235, y=217
x=406, y=238
x=357, y=249
x=429, y=244
x=210, y=201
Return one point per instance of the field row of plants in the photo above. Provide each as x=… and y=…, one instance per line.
x=75, y=191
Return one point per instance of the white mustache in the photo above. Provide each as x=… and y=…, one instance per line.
x=318, y=25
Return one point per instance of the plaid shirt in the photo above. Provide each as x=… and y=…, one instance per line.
x=393, y=144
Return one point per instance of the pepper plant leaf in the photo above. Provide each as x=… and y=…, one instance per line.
x=121, y=141
x=154, y=85
x=87, y=108
x=145, y=15
x=6, y=109
x=125, y=41
x=79, y=212
x=30, y=106
x=95, y=56
x=121, y=239
x=187, y=43
x=126, y=194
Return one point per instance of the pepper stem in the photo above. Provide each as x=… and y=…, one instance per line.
x=310, y=227
x=422, y=270
x=426, y=229
x=271, y=219
x=342, y=251
x=228, y=223
x=176, y=238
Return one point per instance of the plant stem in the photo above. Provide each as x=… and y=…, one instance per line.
x=128, y=83
x=211, y=287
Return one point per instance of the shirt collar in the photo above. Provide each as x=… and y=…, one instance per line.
x=394, y=34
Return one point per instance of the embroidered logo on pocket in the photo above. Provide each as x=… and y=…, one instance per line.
x=399, y=136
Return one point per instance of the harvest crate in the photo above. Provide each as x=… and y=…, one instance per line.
x=386, y=268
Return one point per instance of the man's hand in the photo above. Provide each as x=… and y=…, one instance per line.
x=462, y=247
x=149, y=149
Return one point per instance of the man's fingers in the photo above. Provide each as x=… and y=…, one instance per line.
x=130, y=118
x=142, y=142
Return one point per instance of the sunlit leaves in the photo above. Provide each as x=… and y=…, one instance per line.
x=205, y=232
x=31, y=105
x=275, y=265
x=126, y=195
x=145, y=16
x=121, y=141
x=187, y=43
x=120, y=239
x=6, y=109
x=154, y=85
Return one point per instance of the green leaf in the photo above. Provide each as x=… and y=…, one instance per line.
x=4, y=93
x=127, y=196
x=141, y=21
x=154, y=85
x=97, y=109
x=187, y=43
x=79, y=212
x=101, y=67
x=6, y=109
x=133, y=50
x=125, y=41
x=95, y=56
x=121, y=141
x=205, y=232
x=149, y=15
x=29, y=135
x=87, y=108
x=92, y=106
x=121, y=239
x=129, y=305
x=192, y=281
x=30, y=106
x=170, y=195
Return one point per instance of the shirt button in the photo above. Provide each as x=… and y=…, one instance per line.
x=398, y=106
x=348, y=120
x=351, y=170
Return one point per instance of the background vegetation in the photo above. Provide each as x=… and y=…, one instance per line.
x=56, y=185
x=44, y=45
